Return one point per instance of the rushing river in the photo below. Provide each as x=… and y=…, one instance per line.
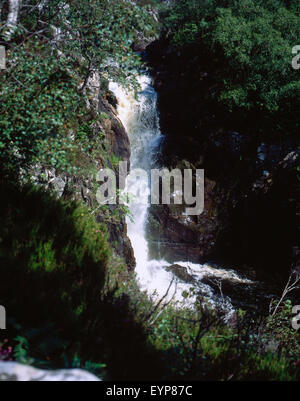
x=141, y=121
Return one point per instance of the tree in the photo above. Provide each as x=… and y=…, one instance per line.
x=52, y=49
x=250, y=43
x=13, y=14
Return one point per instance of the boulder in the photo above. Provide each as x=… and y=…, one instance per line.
x=13, y=371
x=181, y=273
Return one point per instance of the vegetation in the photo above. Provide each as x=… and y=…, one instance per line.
x=228, y=99
x=51, y=53
x=70, y=301
x=53, y=259
x=75, y=305
x=247, y=47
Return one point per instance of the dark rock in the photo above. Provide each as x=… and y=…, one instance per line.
x=250, y=296
x=180, y=237
x=115, y=133
x=120, y=241
x=250, y=213
x=181, y=273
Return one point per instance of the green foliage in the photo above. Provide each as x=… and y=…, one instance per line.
x=63, y=289
x=197, y=344
x=249, y=45
x=53, y=257
x=280, y=330
x=50, y=56
x=36, y=106
x=21, y=350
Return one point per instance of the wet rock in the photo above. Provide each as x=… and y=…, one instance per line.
x=115, y=133
x=245, y=295
x=181, y=273
x=140, y=45
x=183, y=237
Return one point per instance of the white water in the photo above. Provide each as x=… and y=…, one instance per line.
x=141, y=121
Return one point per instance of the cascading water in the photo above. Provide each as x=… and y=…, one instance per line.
x=141, y=121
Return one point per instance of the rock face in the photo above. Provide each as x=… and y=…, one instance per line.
x=119, y=239
x=253, y=296
x=113, y=145
x=180, y=237
x=12, y=371
x=115, y=133
x=240, y=290
x=250, y=195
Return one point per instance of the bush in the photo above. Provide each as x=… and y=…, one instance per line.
x=200, y=346
x=51, y=54
x=53, y=258
x=247, y=48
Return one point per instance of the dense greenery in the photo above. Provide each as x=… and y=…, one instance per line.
x=61, y=288
x=51, y=53
x=247, y=46
x=53, y=259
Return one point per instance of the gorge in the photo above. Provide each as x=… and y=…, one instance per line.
x=148, y=291
x=140, y=118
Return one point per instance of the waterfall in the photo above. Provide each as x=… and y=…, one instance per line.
x=141, y=121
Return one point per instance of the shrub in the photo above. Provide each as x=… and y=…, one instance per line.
x=53, y=257
x=247, y=48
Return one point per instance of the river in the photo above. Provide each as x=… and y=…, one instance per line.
x=140, y=118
